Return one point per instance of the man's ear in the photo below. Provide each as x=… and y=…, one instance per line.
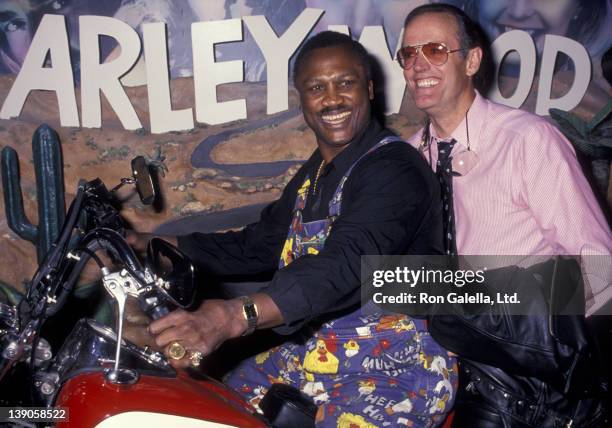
x=371, y=89
x=473, y=60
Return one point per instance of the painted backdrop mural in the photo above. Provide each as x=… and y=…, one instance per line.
x=586, y=21
x=209, y=91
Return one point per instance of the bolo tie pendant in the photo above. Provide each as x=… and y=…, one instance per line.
x=464, y=162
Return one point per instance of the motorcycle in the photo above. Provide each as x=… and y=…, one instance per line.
x=98, y=378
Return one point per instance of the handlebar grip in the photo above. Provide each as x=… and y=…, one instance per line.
x=159, y=312
x=154, y=305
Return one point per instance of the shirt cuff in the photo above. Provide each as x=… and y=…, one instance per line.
x=293, y=304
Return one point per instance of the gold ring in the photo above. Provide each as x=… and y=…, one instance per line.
x=176, y=351
x=195, y=358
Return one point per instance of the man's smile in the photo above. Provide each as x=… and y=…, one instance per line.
x=426, y=83
x=333, y=118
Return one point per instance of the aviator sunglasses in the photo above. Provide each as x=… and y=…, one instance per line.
x=435, y=53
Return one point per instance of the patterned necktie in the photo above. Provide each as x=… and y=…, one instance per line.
x=444, y=172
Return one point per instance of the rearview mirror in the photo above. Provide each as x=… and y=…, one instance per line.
x=175, y=270
x=144, y=182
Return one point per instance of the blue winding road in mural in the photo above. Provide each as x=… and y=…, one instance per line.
x=200, y=157
x=236, y=217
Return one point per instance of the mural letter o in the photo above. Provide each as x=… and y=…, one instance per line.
x=521, y=42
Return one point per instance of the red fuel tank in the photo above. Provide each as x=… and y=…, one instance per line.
x=153, y=401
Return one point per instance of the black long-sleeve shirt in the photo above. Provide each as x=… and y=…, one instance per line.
x=390, y=205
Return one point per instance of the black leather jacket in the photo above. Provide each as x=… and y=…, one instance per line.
x=542, y=370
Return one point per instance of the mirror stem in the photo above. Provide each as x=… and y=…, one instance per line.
x=124, y=181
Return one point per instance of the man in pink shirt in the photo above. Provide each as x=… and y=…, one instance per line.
x=517, y=190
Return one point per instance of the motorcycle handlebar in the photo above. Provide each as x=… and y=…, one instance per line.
x=158, y=312
x=153, y=303
x=112, y=241
x=98, y=239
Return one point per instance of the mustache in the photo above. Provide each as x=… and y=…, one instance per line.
x=333, y=110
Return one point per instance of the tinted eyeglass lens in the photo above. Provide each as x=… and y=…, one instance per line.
x=436, y=53
x=406, y=56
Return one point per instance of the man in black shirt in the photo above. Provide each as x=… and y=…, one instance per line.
x=362, y=192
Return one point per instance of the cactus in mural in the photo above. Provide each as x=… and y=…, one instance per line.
x=49, y=171
x=48, y=168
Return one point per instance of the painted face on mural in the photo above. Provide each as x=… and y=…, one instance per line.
x=15, y=35
x=439, y=89
x=537, y=17
x=211, y=10
x=335, y=94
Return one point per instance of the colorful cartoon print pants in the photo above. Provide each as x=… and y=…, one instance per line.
x=363, y=370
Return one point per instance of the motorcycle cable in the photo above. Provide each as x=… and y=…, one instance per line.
x=55, y=254
x=94, y=256
x=80, y=256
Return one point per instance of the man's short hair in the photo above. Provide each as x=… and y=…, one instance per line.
x=469, y=33
x=326, y=39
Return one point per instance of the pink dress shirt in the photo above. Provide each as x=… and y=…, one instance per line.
x=527, y=195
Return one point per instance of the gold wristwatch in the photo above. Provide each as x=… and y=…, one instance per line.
x=250, y=313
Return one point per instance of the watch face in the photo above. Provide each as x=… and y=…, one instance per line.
x=249, y=310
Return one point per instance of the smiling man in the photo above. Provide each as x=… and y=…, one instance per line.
x=363, y=191
x=513, y=187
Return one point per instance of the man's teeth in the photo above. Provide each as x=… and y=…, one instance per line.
x=426, y=83
x=336, y=118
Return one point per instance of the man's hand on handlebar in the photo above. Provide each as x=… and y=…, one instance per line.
x=214, y=322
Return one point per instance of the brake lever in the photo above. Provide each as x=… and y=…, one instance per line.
x=119, y=285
